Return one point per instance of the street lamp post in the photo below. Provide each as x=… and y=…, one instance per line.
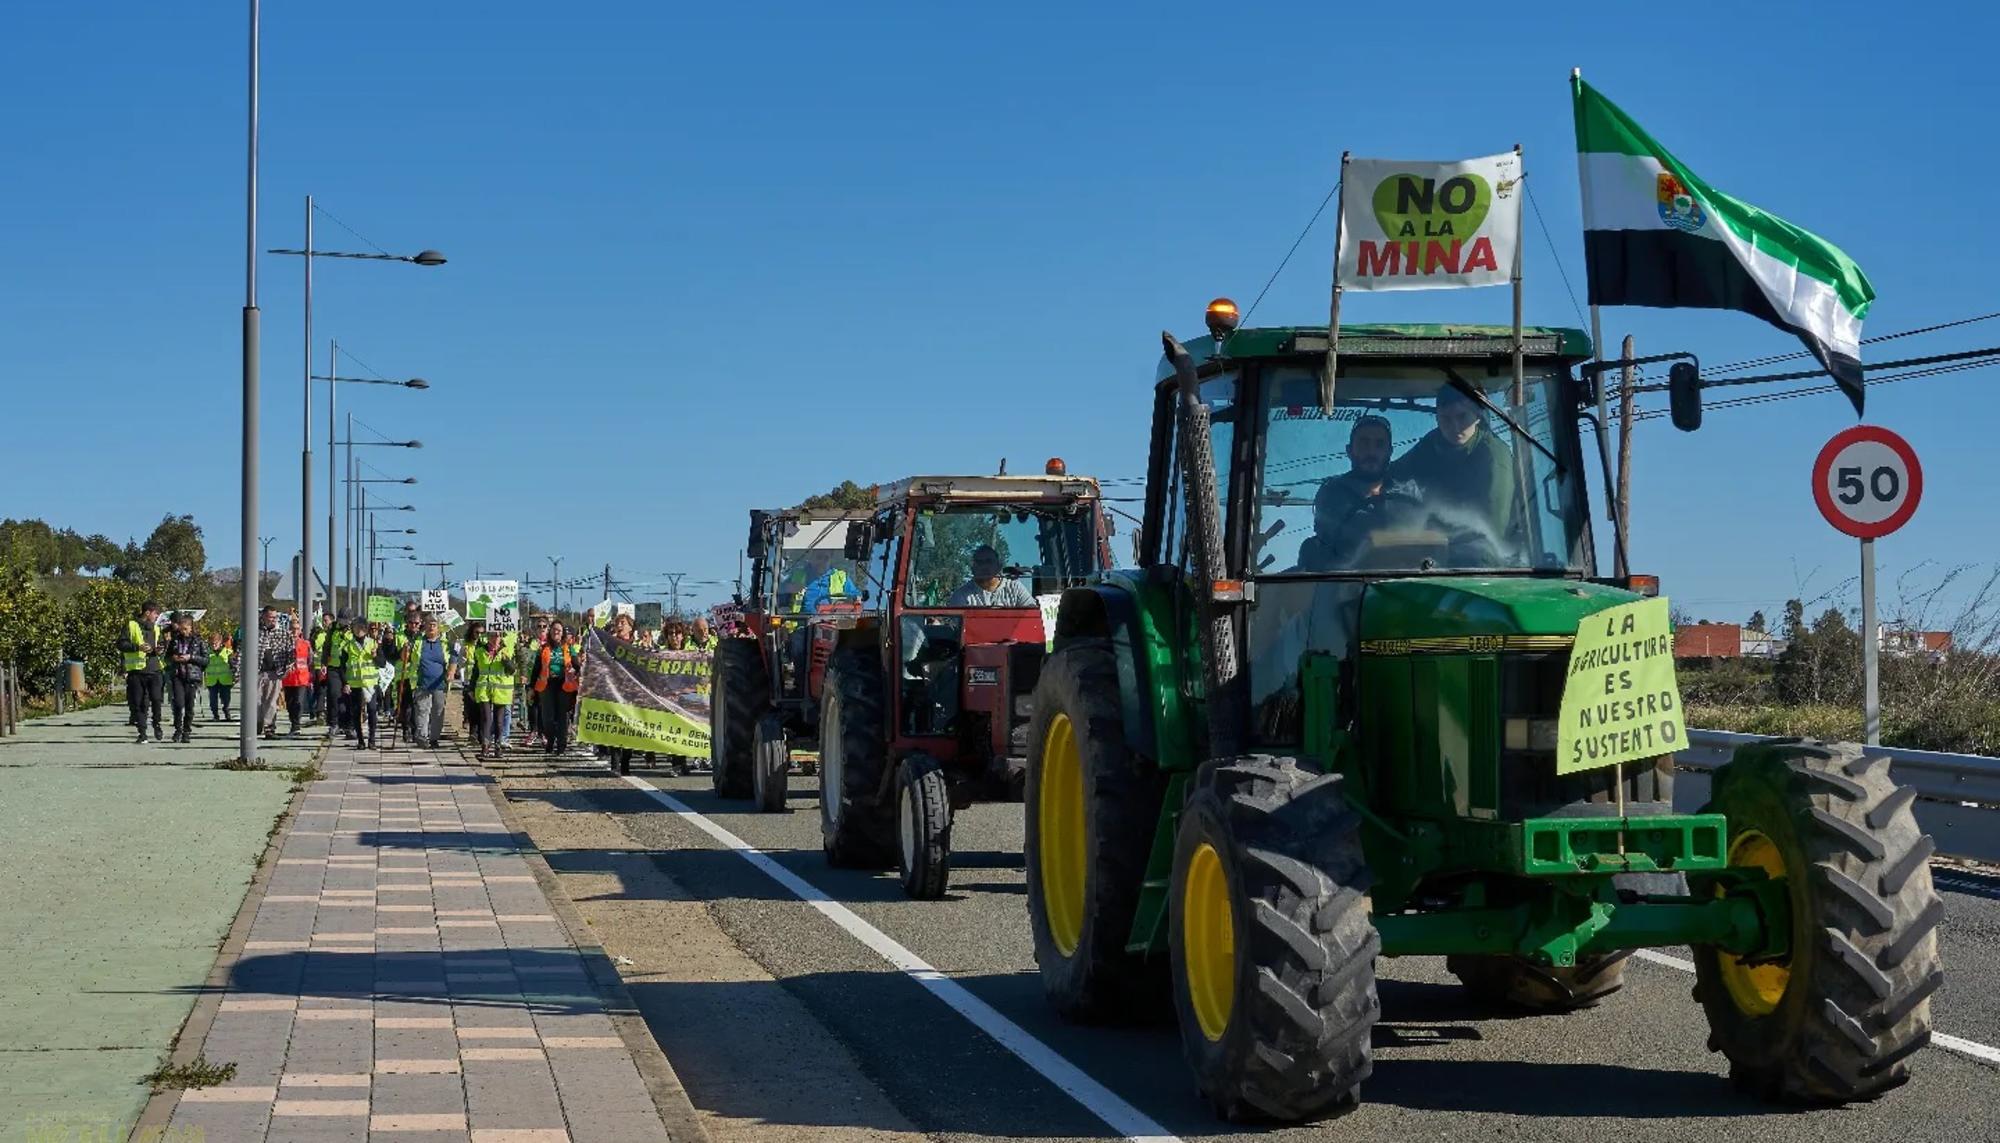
x=555, y=582
x=246, y=736
x=333, y=380
x=361, y=524
x=353, y=570
x=421, y=258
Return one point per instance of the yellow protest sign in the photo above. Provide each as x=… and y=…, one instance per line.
x=1621, y=700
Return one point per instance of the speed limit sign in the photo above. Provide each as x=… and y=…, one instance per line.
x=1867, y=481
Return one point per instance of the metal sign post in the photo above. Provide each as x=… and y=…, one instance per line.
x=1867, y=483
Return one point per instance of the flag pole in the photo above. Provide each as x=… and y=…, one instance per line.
x=1333, y=318
x=1596, y=321
x=1520, y=380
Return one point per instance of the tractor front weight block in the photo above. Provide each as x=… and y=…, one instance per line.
x=1677, y=843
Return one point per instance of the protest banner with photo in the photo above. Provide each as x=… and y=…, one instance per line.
x=639, y=698
x=494, y=602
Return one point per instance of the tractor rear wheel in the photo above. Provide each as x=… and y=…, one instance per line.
x=855, y=830
x=923, y=827
x=1092, y=809
x=1840, y=1016
x=1273, y=949
x=741, y=694
x=770, y=761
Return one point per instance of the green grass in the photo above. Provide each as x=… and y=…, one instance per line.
x=197, y=1072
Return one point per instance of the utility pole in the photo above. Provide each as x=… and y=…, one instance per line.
x=440, y=565
x=555, y=583
x=674, y=584
x=264, y=568
x=607, y=581
x=1626, y=379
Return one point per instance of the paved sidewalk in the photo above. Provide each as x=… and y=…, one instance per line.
x=123, y=867
x=406, y=977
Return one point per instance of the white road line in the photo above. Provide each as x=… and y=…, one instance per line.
x=1973, y=1048
x=1097, y=1099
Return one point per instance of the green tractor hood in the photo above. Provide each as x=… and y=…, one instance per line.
x=1405, y=611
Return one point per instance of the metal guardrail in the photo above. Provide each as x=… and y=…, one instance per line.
x=1958, y=795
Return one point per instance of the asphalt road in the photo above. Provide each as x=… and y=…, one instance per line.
x=822, y=1034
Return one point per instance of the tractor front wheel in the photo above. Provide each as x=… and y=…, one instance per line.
x=923, y=827
x=1273, y=949
x=1839, y=1016
x=1092, y=809
x=741, y=694
x=770, y=762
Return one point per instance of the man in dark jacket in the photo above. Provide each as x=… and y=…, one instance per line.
x=275, y=648
x=1462, y=473
x=186, y=661
x=141, y=647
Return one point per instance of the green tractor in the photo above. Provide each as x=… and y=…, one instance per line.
x=1319, y=725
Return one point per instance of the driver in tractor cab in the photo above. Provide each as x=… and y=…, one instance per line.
x=988, y=587
x=1461, y=472
x=1340, y=497
x=830, y=585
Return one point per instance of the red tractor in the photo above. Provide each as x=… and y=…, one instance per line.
x=910, y=661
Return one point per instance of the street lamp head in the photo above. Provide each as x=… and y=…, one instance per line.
x=428, y=258
x=413, y=444
x=409, y=480
x=416, y=383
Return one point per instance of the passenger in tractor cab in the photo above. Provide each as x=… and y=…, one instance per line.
x=988, y=587
x=1460, y=471
x=1340, y=497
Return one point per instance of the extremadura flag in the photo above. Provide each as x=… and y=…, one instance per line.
x=1654, y=234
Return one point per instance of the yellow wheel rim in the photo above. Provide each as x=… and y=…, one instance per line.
x=1755, y=989
x=1208, y=941
x=1060, y=814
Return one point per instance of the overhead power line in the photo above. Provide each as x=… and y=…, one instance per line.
x=1757, y=362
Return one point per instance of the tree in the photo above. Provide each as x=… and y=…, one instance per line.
x=175, y=548
x=29, y=545
x=100, y=553
x=1756, y=622
x=1679, y=618
x=844, y=495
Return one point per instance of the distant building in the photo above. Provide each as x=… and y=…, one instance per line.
x=1725, y=641
x=1909, y=641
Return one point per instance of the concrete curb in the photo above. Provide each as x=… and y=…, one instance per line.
x=153, y=1119
x=670, y=1099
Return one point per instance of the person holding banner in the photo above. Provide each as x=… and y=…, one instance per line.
x=704, y=639
x=553, y=679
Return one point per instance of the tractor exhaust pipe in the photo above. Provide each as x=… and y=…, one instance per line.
x=1218, y=599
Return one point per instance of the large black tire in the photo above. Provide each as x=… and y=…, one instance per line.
x=740, y=696
x=1087, y=973
x=770, y=763
x=1290, y=1000
x=923, y=827
x=1520, y=983
x=1864, y=958
x=857, y=829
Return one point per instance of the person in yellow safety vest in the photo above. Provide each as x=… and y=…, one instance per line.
x=493, y=690
x=220, y=677
x=704, y=639
x=359, y=671
x=411, y=635
x=333, y=653
x=144, y=685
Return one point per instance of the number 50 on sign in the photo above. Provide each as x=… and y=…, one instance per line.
x=1867, y=481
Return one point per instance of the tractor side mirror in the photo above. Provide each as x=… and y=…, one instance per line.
x=860, y=538
x=1684, y=395
x=755, y=547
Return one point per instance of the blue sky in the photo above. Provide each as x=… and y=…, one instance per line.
x=710, y=257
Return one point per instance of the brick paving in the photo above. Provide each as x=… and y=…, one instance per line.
x=405, y=978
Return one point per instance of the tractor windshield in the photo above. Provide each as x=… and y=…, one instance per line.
x=811, y=566
x=1417, y=470
x=982, y=555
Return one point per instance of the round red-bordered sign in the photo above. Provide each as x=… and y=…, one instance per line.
x=1867, y=481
